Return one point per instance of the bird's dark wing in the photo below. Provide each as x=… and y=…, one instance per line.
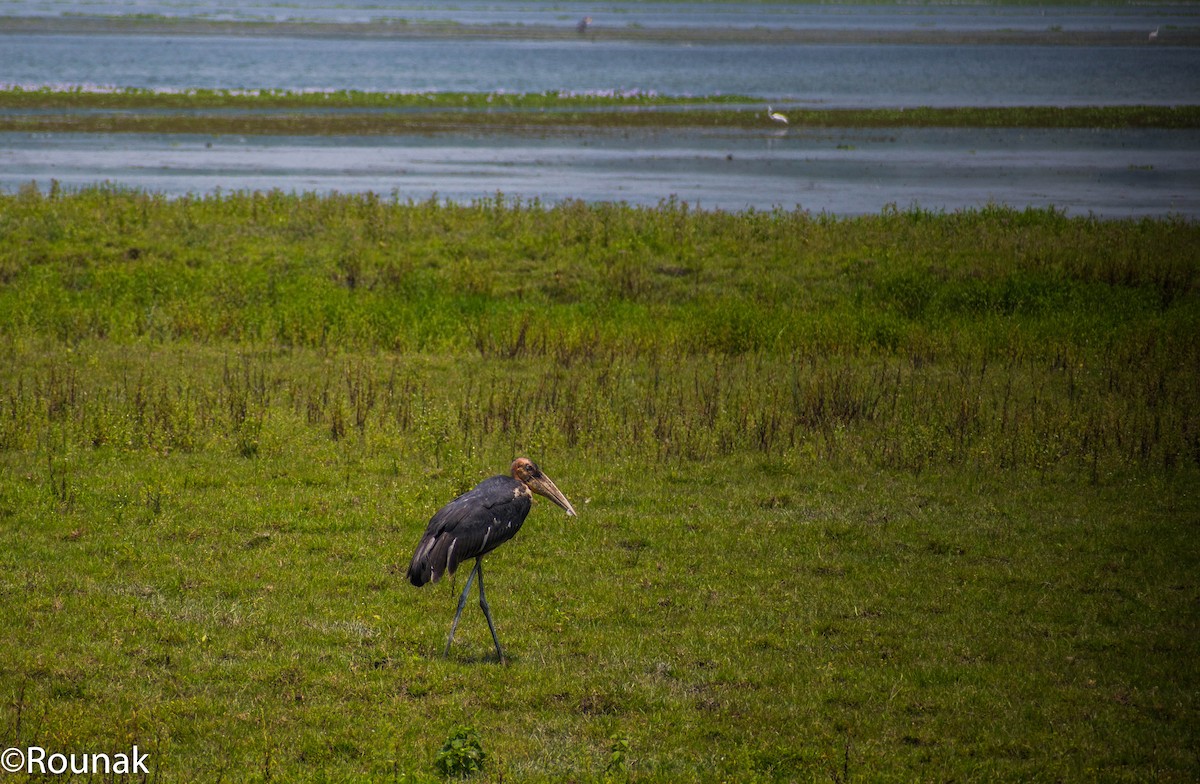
x=471, y=525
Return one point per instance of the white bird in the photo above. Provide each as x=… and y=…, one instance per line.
x=776, y=116
x=1154, y=34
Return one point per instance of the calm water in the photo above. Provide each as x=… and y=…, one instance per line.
x=1107, y=173
x=846, y=172
x=836, y=75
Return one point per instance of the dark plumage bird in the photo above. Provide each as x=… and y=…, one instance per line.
x=473, y=525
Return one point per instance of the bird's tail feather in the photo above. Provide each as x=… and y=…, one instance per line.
x=433, y=558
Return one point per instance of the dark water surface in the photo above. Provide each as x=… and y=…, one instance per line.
x=844, y=75
x=1114, y=174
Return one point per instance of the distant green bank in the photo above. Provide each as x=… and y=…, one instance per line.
x=399, y=28
x=201, y=98
x=365, y=113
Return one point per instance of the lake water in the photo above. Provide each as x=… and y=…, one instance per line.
x=852, y=75
x=842, y=172
x=1108, y=173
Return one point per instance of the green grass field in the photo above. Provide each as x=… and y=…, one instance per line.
x=903, y=497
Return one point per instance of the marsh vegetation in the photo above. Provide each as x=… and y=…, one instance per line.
x=904, y=495
x=350, y=112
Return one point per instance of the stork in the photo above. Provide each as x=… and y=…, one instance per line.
x=473, y=525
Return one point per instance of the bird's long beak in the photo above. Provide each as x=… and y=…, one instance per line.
x=542, y=485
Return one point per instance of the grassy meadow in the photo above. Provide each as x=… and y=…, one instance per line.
x=911, y=496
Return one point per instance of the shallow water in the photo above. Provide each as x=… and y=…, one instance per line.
x=844, y=172
x=810, y=75
x=841, y=172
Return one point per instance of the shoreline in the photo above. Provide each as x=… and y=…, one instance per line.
x=402, y=30
x=327, y=114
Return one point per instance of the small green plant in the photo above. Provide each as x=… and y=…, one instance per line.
x=462, y=754
x=618, y=756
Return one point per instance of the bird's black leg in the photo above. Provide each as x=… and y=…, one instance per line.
x=462, y=602
x=487, y=612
